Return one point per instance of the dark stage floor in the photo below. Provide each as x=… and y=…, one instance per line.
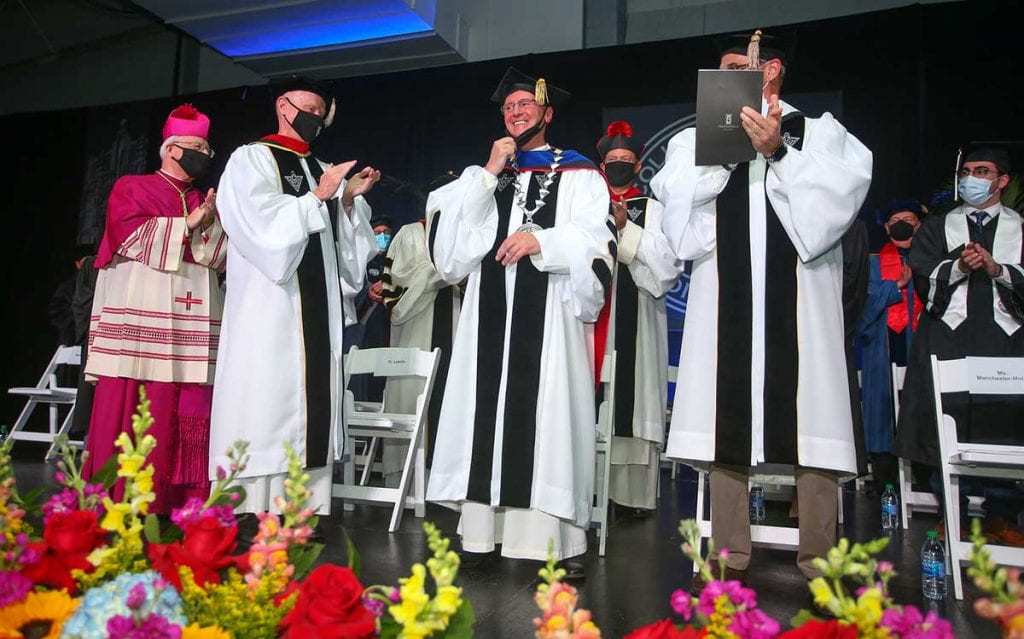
x=627, y=588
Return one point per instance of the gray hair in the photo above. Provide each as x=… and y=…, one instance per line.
x=168, y=142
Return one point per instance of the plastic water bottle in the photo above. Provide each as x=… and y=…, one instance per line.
x=890, y=509
x=757, y=505
x=933, y=568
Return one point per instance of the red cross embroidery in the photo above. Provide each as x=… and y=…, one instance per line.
x=188, y=301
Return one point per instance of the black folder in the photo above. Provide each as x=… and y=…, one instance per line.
x=721, y=95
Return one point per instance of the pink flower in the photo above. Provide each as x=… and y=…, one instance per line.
x=738, y=595
x=907, y=623
x=753, y=624
x=14, y=586
x=682, y=604
x=152, y=627
x=136, y=597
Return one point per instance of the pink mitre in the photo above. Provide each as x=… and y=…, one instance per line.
x=187, y=120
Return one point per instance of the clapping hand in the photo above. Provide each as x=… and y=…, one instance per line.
x=619, y=211
x=359, y=184
x=331, y=180
x=202, y=216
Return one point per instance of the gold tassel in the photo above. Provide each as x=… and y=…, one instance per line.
x=754, y=51
x=540, y=94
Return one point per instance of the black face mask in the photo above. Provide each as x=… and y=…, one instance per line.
x=306, y=124
x=194, y=163
x=619, y=173
x=901, y=230
x=528, y=134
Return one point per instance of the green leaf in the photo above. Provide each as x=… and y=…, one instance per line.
x=107, y=474
x=224, y=499
x=355, y=562
x=389, y=628
x=460, y=626
x=802, y=617
x=152, y=529
x=313, y=522
x=303, y=557
x=32, y=500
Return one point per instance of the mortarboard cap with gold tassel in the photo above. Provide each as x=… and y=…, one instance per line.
x=515, y=80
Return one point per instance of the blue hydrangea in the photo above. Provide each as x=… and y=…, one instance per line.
x=103, y=602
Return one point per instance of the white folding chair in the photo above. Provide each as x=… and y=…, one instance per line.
x=389, y=362
x=46, y=391
x=599, y=515
x=958, y=459
x=779, y=481
x=910, y=499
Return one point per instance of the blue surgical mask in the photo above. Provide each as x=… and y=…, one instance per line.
x=974, y=190
x=383, y=240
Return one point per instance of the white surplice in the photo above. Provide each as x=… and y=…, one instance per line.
x=644, y=252
x=260, y=391
x=816, y=192
x=572, y=253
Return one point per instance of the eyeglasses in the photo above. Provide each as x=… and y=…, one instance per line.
x=620, y=159
x=195, y=146
x=979, y=172
x=517, y=106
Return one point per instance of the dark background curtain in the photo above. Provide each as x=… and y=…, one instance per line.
x=916, y=83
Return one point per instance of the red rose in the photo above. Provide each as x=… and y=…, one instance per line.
x=817, y=629
x=329, y=606
x=665, y=629
x=68, y=538
x=206, y=549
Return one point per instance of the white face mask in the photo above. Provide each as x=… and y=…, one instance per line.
x=975, y=190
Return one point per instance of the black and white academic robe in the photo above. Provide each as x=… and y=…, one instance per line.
x=517, y=424
x=762, y=369
x=279, y=362
x=646, y=270
x=424, y=313
x=965, y=314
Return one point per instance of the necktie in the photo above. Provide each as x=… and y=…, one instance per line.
x=979, y=219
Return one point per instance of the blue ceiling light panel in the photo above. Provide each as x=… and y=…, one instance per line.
x=324, y=38
x=264, y=27
x=323, y=34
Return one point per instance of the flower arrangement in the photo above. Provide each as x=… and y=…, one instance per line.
x=105, y=567
x=560, y=618
x=1005, y=603
x=409, y=612
x=726, y=609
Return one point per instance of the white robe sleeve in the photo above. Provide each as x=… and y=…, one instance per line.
x=356, y=247
x=645, y=251
x=412, y=282
x=463, y=218
x=817, y=191
x=209, y=247
x=578, y=253
x=270, y=229
x=688, y=193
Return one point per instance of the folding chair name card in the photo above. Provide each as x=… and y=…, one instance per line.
x=391, y=365
x=995, y=375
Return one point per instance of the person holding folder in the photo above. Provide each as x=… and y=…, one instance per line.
x=762, y=370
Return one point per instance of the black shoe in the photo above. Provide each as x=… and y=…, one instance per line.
x=470, y=560
x=731, y=574
x=574, y=569
x=633, y=513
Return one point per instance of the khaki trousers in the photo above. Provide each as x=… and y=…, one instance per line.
x=817, y=504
